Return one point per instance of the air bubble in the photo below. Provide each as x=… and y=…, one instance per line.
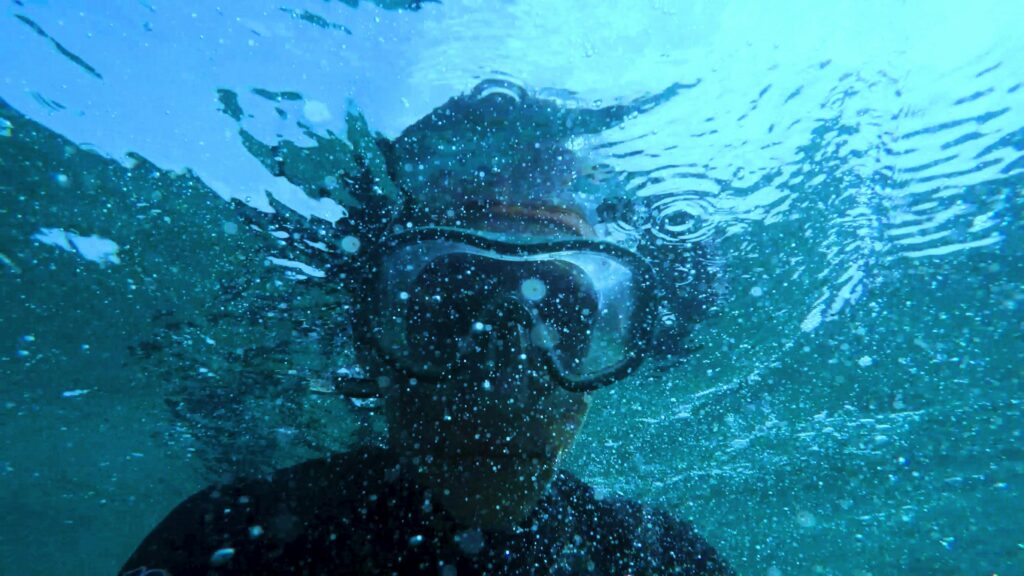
x=350, y=244
x=533, y=289
x=805, y=519
x=316, y=112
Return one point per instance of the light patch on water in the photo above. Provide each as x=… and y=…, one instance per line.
x=6, y=261
x=950, y=248
x=926, y=220
x=318, y=245
x=305, y=268
x=924, y=239
x=95, y=248
x=75, y=393
x=849, y=293
x=813, y=318
x=983, y=222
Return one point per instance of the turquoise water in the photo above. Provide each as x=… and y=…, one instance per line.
x=855, y=402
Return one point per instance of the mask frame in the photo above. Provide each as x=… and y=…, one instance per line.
x=635, y=341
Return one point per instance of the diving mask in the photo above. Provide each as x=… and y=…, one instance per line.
x=449, y=303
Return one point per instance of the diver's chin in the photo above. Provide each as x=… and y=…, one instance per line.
x=491, y=490
x=497, y=467
x=494, y=492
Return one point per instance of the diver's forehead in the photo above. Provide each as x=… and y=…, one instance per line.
x=517, y=219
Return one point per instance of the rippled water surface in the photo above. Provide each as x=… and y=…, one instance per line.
x=854, y=404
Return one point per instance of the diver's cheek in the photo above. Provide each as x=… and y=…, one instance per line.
x=566, y=406
x=436, y=415
x=557, y=421
x=446, y=415
x=423, y=413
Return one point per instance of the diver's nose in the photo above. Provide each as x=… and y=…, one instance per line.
x=505, y=326
x=511, y=363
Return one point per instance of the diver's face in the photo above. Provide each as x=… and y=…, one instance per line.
x=486, y=441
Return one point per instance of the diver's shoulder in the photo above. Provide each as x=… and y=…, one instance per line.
x=256, y=521
x=327, y=474
x=634, y=534
x=337, y=469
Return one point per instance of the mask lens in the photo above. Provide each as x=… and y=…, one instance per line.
x=597, y=324
x=449, y=307
x=450, y=314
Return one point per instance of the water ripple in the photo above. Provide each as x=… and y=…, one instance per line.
x=869, y=166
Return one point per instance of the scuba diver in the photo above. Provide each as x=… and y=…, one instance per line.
x=486, y=306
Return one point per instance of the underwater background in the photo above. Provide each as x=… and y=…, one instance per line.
x=853, y=402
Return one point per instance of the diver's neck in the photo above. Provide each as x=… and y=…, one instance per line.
x=492, y=496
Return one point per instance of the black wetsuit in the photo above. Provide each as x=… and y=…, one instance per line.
x=355, y=513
